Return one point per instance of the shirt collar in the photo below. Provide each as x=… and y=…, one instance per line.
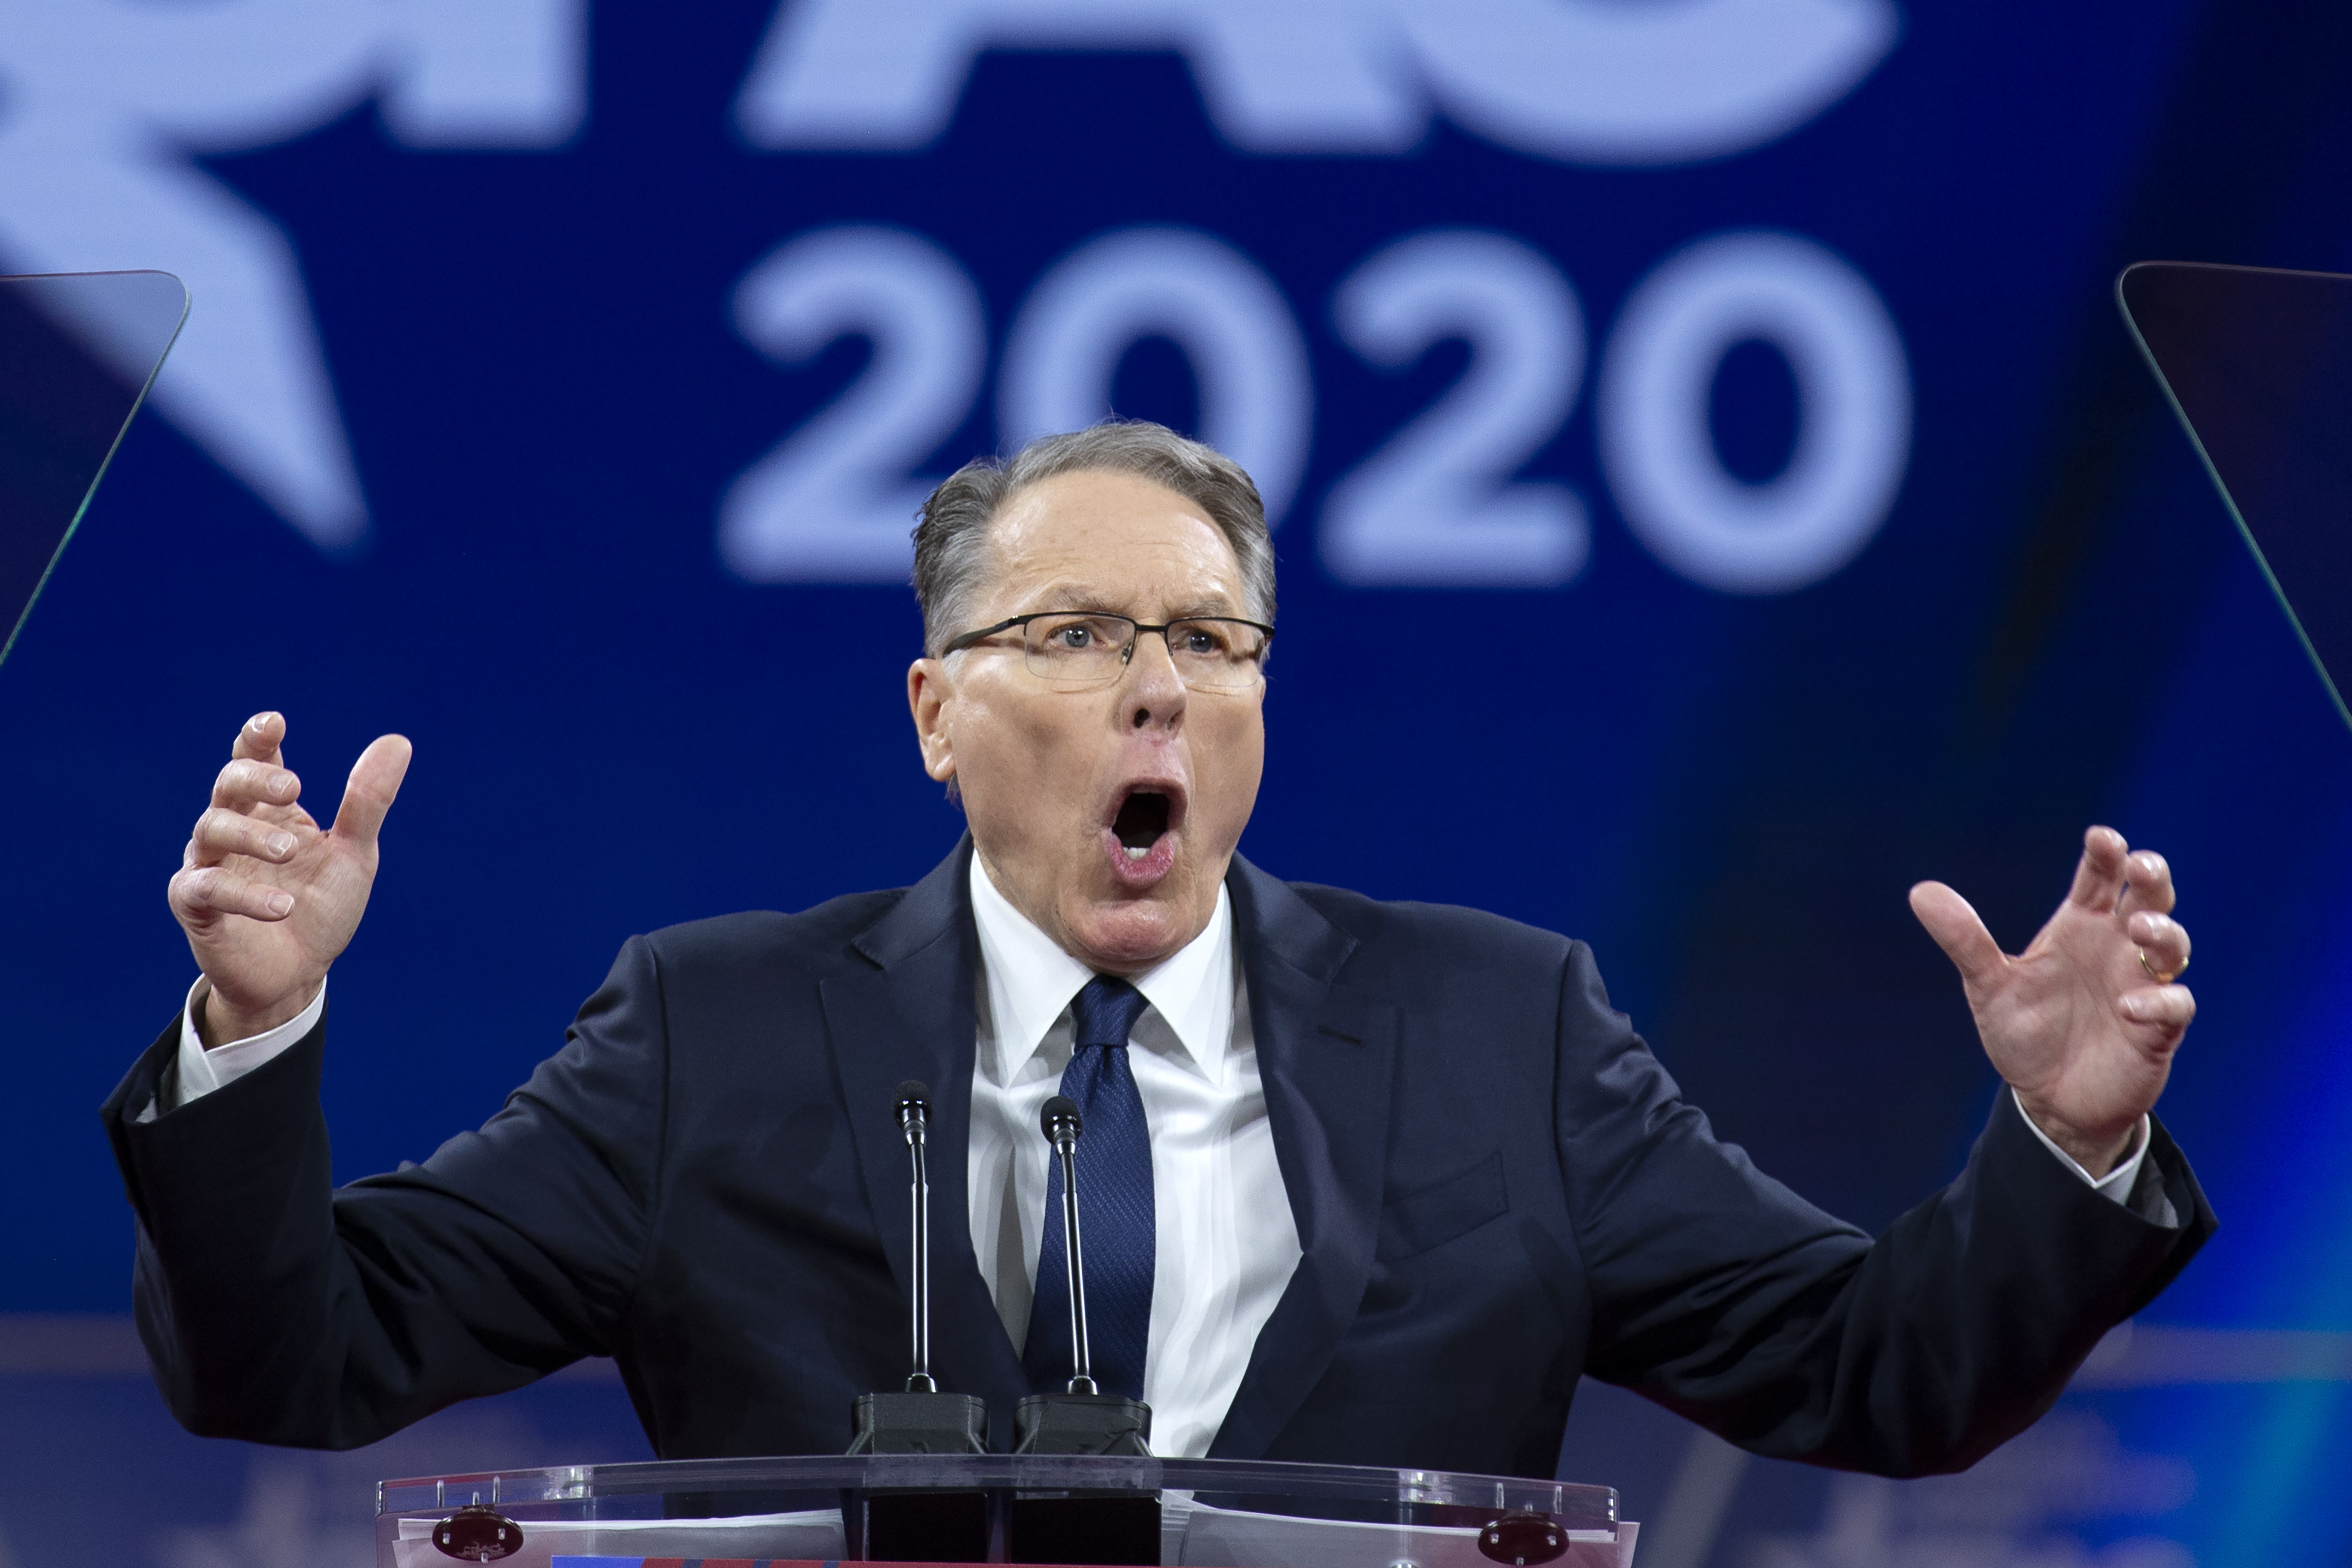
x=1030, y=982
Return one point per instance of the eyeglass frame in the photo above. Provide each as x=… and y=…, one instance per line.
x=1126, y=653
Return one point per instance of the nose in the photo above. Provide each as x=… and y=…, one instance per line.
x=1153, y=692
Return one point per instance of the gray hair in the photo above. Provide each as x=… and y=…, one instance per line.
x=951, y=553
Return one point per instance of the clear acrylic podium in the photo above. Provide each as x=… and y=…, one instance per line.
x=825, y=1509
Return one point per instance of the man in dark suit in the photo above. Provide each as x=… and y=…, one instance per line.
x=1364, y=1182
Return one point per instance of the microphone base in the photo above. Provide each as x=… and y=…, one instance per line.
x=1099, y=1527
x=918, y=1525
x=1082, y=1424
x=918, y=1424
x=1094, y=1527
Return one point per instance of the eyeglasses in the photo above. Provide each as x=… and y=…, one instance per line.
x=1077, y=651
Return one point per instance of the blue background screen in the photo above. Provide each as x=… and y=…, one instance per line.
x=1713, y=491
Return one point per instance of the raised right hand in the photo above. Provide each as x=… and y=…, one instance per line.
x=267, y=898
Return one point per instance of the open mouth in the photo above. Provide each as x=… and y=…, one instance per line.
x=1140, y=839
x=1143, y=818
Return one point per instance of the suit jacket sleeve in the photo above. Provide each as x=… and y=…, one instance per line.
x=278, y=1309
x=1722, y=1295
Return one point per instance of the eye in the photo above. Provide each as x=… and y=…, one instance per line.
x=1078, y=635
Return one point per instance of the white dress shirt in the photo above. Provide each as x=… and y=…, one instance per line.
x=1226, y=1243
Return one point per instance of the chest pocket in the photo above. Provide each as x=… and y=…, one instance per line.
x=1443, y=1210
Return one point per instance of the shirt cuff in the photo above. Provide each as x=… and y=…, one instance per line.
x=202, y=1072
x=2117, y=1182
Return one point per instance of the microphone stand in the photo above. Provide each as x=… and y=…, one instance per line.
x=914, y=1120
x=1062, y=1126
x=917, y=1526
x=1100, y=1526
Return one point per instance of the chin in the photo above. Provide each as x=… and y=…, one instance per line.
x=1131, y=933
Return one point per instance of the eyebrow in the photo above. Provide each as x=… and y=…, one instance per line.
x=1069, y=596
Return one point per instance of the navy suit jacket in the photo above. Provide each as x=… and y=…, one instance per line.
x=1496, y=1188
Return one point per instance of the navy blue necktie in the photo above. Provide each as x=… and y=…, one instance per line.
x=1116, y=1221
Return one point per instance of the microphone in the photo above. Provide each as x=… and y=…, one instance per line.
x=921, y=1419
x=1089, y=1524
x=1084, y=1419
x=894, y=1524
x=914, y=1112
x=1061, y=1123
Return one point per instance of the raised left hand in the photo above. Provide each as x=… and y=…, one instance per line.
x=2084, y=1021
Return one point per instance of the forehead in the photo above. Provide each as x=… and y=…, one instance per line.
x=1110, y=541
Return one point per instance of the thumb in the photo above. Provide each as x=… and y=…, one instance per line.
x=1953, y=922
x=374, y=785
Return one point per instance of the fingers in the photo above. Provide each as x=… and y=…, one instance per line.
x=2111, y=877
x=2099, y=876
x=248, y=782
x=2168, y=1008
x=2163, y=941
x=260, y=739
x=374, y=785
x=2149, y=884
x=1953, y=922
x=200, y=895
x=221, y=833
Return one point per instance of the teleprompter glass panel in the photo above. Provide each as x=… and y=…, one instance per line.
x=2258, y=364
x=77, y=351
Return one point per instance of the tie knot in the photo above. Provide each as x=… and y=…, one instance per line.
x=1105, y=1012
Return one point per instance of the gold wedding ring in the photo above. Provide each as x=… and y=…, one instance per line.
x=2160, y=979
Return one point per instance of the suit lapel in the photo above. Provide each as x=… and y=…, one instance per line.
x=912, y=1016
x=1325, y=1054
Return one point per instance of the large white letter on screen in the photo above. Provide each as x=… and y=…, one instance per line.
x=1854, y=427
x=835, y=500
x=1257, y=401
x=1598, y=81
x=1606, y=81
x=1437, y=507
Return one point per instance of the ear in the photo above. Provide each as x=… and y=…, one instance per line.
x=931, y=694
